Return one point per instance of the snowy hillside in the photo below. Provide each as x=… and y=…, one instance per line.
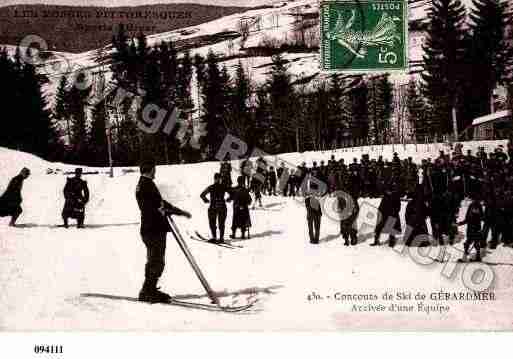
x=48, y=274
x=272, y=24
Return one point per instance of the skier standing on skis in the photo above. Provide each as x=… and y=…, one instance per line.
x=217, y=210
x=154, y=228
x=241, y=201
x=76, y=194
x=10, y=201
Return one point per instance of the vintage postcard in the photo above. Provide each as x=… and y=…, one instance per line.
x=233, y=165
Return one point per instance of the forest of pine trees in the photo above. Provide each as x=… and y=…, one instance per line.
x=27, y=123
x=466, y=56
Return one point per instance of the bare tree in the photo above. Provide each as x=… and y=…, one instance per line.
x=401, y=112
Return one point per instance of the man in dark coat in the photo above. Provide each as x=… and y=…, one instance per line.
x=241, y=201
x=348, y=225
x=246, y=169
x=217, y=209
x=416, y=214
x=226, y=173
x=272, y=181
x=76, y=194
x=313, y=216
x=473, y=219
x=389, y=209
x=154, y=228
x=10, y=201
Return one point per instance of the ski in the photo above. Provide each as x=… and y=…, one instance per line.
x=211, y=307
x=176, y=302
x=216, y=244
x=201, y=238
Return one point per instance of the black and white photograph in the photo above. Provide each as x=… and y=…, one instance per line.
x=190, y=166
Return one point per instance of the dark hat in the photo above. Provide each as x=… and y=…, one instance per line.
x=147, y=166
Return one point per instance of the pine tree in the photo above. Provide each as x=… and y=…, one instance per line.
x=359, y=126
x=77, y=106
x=387, y=106
x=488, y=50
x=281, y=94
x=98, y=135
x=417, y=111
x=337, y=115
x=240, y=117
x=199, y=67
x=264, y=136
x=372, y=111
x=39, y=134
x=380, y=106
x=8, y=97
x=213, y=110
x=184, y=83
x=128, y=145
x=443, y=61
x=176, y=78
x=60, y=111
x=509, y=59
x=120, y=56
x=225, y=96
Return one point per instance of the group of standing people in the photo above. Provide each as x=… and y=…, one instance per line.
x=76, y=195
x=217, y=211
x=433, y=188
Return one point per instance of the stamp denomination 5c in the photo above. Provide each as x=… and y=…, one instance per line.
x=364, y=35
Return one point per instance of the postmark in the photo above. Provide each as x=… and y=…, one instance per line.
x=363, y=35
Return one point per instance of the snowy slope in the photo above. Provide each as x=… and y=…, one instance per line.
x=45, y=269
x=276, y=23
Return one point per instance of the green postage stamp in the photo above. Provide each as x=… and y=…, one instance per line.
x=364, y=35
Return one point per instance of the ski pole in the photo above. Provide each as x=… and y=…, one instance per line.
x=192, y=261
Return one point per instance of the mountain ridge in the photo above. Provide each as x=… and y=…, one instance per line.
x=58, y=25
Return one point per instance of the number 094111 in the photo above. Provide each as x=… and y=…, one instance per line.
x=48, y=349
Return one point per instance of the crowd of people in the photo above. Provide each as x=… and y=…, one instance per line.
x=434, y=189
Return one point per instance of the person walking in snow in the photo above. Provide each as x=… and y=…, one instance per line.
x=217, y=209
x=10, y=201
x=76, y=194
x=154, y=228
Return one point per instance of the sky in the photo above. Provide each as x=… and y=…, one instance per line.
x=113, y=3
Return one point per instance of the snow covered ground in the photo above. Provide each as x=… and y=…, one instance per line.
x=44, y=269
